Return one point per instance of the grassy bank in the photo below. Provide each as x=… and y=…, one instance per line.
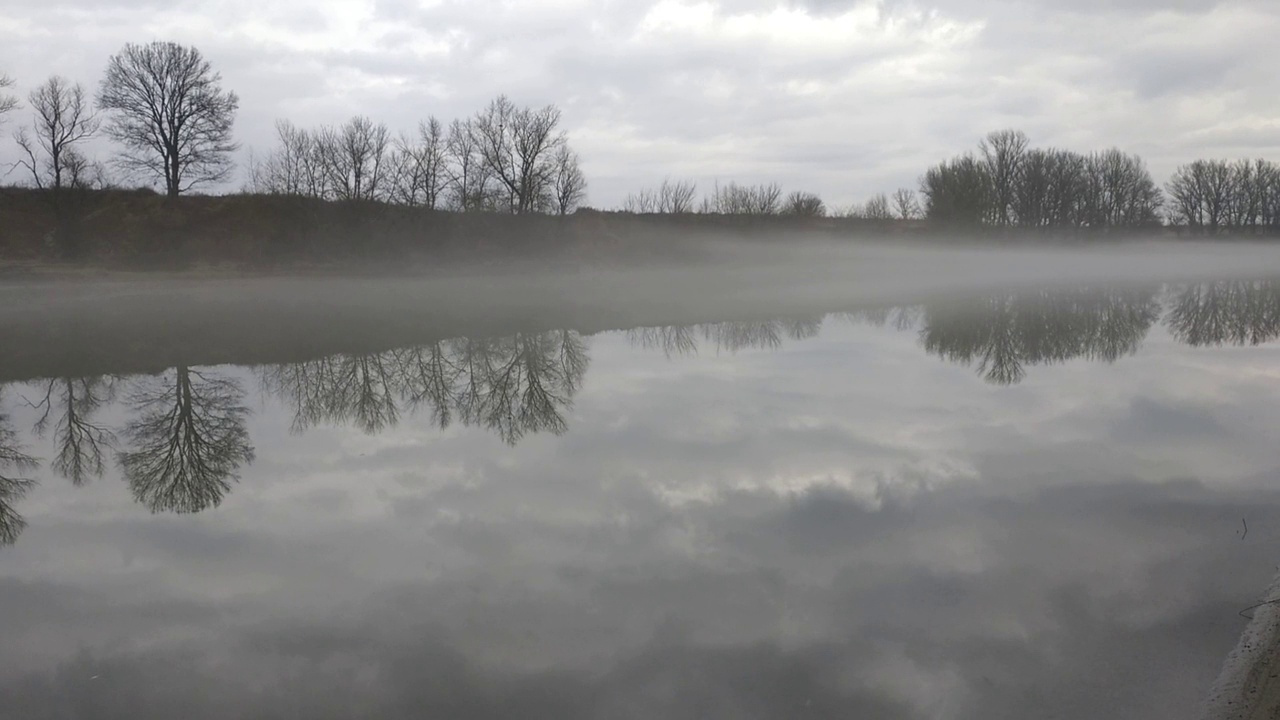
x=141, y=229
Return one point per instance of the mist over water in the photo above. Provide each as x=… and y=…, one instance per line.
x=873, y=481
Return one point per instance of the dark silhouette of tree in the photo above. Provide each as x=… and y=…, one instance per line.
x=804, y=204
x=514, y=385
x=356, y=159
x=672, y=198
x=520, y=384
x=169, y=111
x=7, y=102
x=568, y=183
x=735, y=199
x=877, y=208
x=1119, y=192
x=958, y=193
x=905, y=205
x=63, y=121
x=469, y=182
x=1217, y=196
x=294, y=168
x=1002, y=153
x=672, y=340
x=188, y=441
x=420, y=166
x=517, y=147
x=1002, y=334
x=1229, y=312
x=363, y=390
x=14, y=461
x=81, y=441
x=431, y=376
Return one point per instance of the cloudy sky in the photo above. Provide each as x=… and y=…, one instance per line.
x=843, y=98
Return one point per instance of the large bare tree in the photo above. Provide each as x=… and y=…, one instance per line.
x=171, y=114
x=517, y=146
x=64, y=118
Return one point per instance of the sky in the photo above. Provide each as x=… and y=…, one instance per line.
x=841, y=98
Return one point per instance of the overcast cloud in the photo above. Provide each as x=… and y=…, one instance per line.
x=844, y=98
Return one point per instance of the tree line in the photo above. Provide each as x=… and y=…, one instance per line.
x=1007, y=184
x=505, y=158
x=166, y=108
x=164, y=105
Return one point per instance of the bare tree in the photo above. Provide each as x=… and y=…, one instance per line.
x=905, y=204
x=467, y=179
x=355, y=159
x=63, y=119
x=668, y=198
x=81, y=440
x=877, y=208
x=1002, y=153
x=188, y=441
x=568, y=184
x=293, y=168
x=171, y=114
x=804, y=204
x=420, y=166
x=735, y=199
x=7, y=102
x=13, y=459
x=516, y=146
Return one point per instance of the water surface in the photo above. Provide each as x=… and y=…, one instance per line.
x=1006, y=502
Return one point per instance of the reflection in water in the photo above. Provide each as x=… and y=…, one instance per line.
x=1002, y=334
x=512, y=385
x=13, y=462
x=1236, y=312
x=731, y=337
x=187, y=441
x=81, y=442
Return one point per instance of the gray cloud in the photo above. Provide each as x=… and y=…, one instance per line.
x=842, y=99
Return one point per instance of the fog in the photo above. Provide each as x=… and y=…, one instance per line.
x=148, y=322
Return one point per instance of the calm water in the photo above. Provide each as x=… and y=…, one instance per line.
x=1035, y=503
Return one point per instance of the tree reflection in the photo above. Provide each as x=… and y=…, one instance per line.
x=1234, y=312
x=340, y=388
x=13, y=463
x=1002, y=334
x=513, y=385
x=80, y=441
x=732, y=336
x=188, y=440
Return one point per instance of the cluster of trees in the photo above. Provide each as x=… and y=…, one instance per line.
x=1216, y=196
x=681, y=197
x=506, y=158
x=1009, y=184
x=164, y=105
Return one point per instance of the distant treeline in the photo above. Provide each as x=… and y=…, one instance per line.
x=1009, y=185
x=165, y=107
